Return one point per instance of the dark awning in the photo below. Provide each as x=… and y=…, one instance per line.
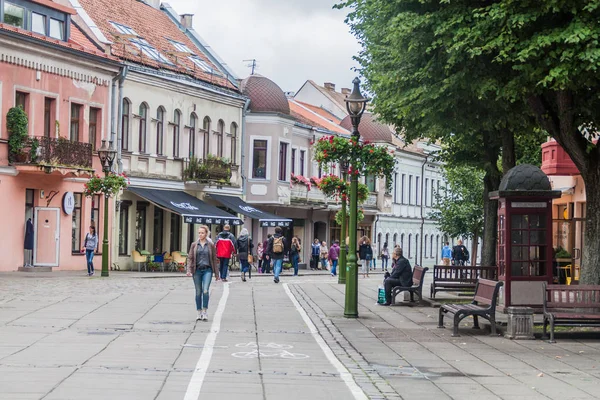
x=193, y=210
x=240, y=206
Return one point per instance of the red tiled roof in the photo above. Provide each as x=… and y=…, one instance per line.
x=308, y=117
x=155, y=27
x=76, y=41
x=56, y=6
x=322, y=112
x=370, y=129
x=265, y=95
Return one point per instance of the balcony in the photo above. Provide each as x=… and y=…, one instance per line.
x=210, y=170
x=301, y=194
x=556, y=161
x=50, y=154
x=371, y=201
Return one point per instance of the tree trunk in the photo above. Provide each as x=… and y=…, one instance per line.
x=590, y=271
x=491, y=182
x=509, y=158
x=474, y=246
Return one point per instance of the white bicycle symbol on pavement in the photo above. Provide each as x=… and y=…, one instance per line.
x=283, y=351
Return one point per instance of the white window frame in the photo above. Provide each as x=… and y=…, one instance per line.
x=148, y=50
x=124, y=29
x=269, y=140
x=180, y=46
x=287, y=157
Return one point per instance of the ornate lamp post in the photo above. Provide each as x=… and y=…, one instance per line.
x=342, y=274
x=107, y=157
x=355, y=104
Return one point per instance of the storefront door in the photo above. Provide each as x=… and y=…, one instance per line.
x=46, y=237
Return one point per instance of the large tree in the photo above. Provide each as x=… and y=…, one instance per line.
x=522, y=59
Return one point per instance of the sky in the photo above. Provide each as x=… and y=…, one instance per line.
x=291, y=40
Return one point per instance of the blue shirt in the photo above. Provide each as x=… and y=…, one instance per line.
x=446, y=252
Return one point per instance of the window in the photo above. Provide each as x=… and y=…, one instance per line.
x=38, y=23
x=180, y=47
x=294, y=161
x=410, y=178
x=409, y=244
x=418, y=190
x=203, y=65
x=125, y=126
x=21, y=99
x=176, y=122
x=402, y=242
x=259, y=159
x=432, y=194
x=76, y=225
x=431, y=246
x=95, y=217
x=425, y=247
x=425, y=189
x=396, y=187
x=233, y=143
x=402, y=189
x=157, y=241
x=192, y=141
x=48, y=120
x=160, y=123
x=528, y=252
x=283, y=148
x=302, y=158
x=75, y=117
x=124, y=29
x=371, y=182
x=175, y=236
x=320, y=171
x=395, y=239
x=14, y=15
x=142, y=130
x=149, y=51
x=220, y=135
x=140, y=226
x=206, y=139
x=124, y=227
x=416, y=247
x=57, y=29
x=93, y=126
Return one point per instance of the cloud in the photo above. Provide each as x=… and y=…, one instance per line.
x=292, y=40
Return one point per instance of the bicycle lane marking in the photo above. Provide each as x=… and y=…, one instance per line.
x=346, y=376
x=197, y=379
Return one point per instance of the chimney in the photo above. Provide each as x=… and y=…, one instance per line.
x=186, y=20
x=330, y=86
x=153, y=3
x=346, y=91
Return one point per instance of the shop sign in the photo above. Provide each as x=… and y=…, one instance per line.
x=68, y=203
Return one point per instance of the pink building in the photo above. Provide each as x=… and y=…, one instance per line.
x=63, y=82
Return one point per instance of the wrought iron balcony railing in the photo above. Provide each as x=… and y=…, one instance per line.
x=53, y=152
x=205, y=170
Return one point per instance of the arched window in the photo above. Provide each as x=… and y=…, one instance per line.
x=142, y=133
x=395, y=239
x=409, y=245
x=425, y=247
x=160, y=123
x=402, y=242
x=125, y=124
x=206, y=141
x=431, y=246
x=233, y=131
x=416, y=248
x=192, y=142
x=176, y=123
x=220, y=135
x=438, y=246
x=387, y=239
x=379, y=243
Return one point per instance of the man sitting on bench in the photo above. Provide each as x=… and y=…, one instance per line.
x=401, y=275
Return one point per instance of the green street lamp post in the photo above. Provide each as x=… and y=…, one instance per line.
x=342, y=274
x=107, y=157
x=355, y=104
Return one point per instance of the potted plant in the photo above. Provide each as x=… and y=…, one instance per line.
x=153, y=266
x=16, y=124
x=110, y=185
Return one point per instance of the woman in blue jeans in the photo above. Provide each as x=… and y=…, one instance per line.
x=89, y=246
x=295, y=254
x=201, y=265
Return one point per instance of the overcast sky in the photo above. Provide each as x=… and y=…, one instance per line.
x=292, y=40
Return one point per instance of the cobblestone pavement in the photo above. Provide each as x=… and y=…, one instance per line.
x=134, y=336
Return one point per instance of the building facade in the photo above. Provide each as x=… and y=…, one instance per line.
x=63, y=83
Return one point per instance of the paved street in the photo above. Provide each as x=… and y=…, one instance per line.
x=134, y=336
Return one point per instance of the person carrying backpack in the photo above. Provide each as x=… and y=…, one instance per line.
x=226, y=246
x=460, y=254
x=275, y=250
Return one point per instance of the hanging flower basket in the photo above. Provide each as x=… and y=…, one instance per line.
x=335, y=187
x=109, y=185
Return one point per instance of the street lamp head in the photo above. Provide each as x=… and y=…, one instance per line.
x=111, y=154
x=107, y=155
x=103, y=153
x=356, y=102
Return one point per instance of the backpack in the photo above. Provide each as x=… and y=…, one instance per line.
x=278, y=245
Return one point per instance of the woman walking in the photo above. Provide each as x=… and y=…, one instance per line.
x=259, y=254
x=316, y=252
x=89, y=246
x=295, y=254
x=324, y=255
x=385, y=256
x=201, y=265
x=365, y=253
x=245, y=246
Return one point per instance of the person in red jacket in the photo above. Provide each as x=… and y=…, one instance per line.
x=226, y=246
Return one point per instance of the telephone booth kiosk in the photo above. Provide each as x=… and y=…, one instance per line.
x=524, y=255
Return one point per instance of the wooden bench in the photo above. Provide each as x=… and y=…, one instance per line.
x=571, y=306
x=459, y=278
x=483, y=305
x=417, y=286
